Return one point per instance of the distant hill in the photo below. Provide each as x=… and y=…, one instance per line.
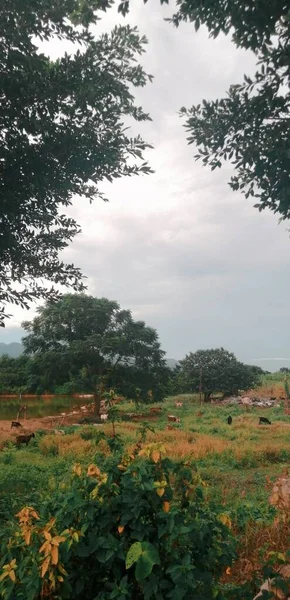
x=171, y=363
x=14, y=349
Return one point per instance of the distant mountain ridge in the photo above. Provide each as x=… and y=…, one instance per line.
x=14, y=349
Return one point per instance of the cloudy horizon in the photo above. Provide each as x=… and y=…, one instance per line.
x=179, y=248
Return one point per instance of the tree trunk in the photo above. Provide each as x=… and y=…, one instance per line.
x=207, y=396
x=97, y=403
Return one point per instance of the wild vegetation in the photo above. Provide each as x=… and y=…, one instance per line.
x=149, y=511
x=140, y=507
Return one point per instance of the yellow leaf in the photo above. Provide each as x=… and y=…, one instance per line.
x=281, y=556
x=58, y=539
x=5, y=574
x=47, y=536
x=62, y=569
x=75, y=536
x=228, y=570
x=93, y=471
x=94, y=492
x=50, y=524
x=45, y=566
x=121, y=529
x=166, y=506
x=225, y=519
x=27, y=536
x=12, y=575
x=43, y=547
x=51, y=578
x=155, y=456
x=160, y=491
x=60, y=578
x=77, y=469
x=122, y=467
x=54, y=555
x=35, y=515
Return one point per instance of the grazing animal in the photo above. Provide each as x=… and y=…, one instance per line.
x=24, y=439
x=199, y=413
x=264, y=420
x=15, y=424
x=178, y=404
x=230, y=420
x=173, y=419
x=155, y=409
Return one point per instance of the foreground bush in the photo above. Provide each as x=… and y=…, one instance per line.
x=139, y=530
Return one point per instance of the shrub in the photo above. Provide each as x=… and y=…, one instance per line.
x=91, y=433
x=7, y=457
x=139, y=530
x=48, y=446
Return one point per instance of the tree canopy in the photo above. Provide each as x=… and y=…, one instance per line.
x=85, y=341
x=216, y=371
x=14, y=373
x=250, y=126
x=62, y=134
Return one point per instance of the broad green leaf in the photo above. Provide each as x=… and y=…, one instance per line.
x=133, y=554
x=147, y=560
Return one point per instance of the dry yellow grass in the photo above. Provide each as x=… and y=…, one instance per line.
x=64, y=445
x=255, y=547
x=248, y=438
x=272, y=389
x=180, y=444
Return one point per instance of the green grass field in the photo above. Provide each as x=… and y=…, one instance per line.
x=238, y=464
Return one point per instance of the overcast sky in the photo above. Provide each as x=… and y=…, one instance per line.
x=185, y=253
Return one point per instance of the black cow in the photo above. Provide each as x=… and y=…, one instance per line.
x=230, y=420
x=15, y=424
x=24, y=439
x=264, y=420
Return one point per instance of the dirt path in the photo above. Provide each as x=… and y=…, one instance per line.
x=32, y=425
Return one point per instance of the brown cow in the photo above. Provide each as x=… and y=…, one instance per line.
x=173, y=418
x=24, y=439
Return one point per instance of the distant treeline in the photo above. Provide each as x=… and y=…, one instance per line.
x=80, y=343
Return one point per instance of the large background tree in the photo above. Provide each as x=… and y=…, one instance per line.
x=218, y=371
x=62, y=133
x=86, y=341
x=14, y=374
